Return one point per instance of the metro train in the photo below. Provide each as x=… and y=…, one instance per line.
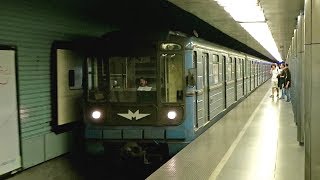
x=192, y=83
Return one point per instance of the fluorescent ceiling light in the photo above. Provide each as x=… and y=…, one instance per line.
x=251, y=13
x=251, y=17
x=261, y=32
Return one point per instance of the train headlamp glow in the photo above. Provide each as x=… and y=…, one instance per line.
x=170, y=46
x=172, y=114
x=96, y=114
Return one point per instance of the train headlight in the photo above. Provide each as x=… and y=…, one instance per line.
x=172, y=114
x=96, y=114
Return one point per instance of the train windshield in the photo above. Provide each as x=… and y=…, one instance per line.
x=171, y=66
x=123, y=79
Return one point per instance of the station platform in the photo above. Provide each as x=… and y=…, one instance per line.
x=254, y=141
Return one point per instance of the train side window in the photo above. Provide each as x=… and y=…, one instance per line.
x=229, y=70
x=249, y=65
x=203, y=71
x=242, y=67
x=194, y=59
x=118, y=72
x=95, y=79
x=222, y=66
x=215, y=78
x=252, y=68
x=192, y=72
x=234, y=62
x=239, y=69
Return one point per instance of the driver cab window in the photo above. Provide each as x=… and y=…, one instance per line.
x=95, y=79
x=171, y=77
x=132, y=79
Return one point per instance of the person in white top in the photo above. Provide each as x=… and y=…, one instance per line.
x=274, y=71
x=143, y=85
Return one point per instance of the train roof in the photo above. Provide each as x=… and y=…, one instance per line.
x=119, y=41
x=130, y=41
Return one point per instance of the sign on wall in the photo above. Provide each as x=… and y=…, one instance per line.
x=9, y=133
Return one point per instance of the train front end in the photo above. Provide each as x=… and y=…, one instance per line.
x=134, y=101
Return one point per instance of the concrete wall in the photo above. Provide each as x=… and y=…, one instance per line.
x=32, y=26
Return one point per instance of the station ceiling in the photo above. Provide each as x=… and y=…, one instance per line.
x=280, y=14
x=205, y=16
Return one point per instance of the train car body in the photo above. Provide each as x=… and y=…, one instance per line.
x=191, y=84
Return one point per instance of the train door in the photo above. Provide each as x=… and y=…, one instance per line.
x=216, y=103
x=262, y=72
x=201, y=93
x=244, y=86
x=248, y=75
x=244, y=65
x=239, y=78
x=230, y=82
x=257, y=73
x=252, y=75
x=266, y=72
x=242, y=76
x=234, y=78
x=199, y=116
x=205, y=62
x=236, y=69
x=224, y=79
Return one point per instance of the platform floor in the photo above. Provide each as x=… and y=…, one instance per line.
x=254, y=141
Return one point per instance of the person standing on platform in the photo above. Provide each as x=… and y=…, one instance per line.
x=274, y=80
x=281, y=80
x=288, y=83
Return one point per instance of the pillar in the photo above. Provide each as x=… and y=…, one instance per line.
x=312, y=89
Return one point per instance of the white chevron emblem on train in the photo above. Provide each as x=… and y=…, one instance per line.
x=130, y=115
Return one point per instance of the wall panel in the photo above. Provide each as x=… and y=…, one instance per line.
x=32, y=26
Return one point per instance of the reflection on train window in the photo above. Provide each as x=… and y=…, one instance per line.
x=95, y=79
x=215, y=70
x=92, y=82
x=200, y=77
x=203, y=71
x=171, y=77
x=125, y=83
x=256, y=68
x=222, y=65
x=242, y=67
x=118, y=72
x=248, y=66
x=229, y=70
x=239, y=69
x=194, y=59
x=233, y=69
x=253, y=70
x=116, y=79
